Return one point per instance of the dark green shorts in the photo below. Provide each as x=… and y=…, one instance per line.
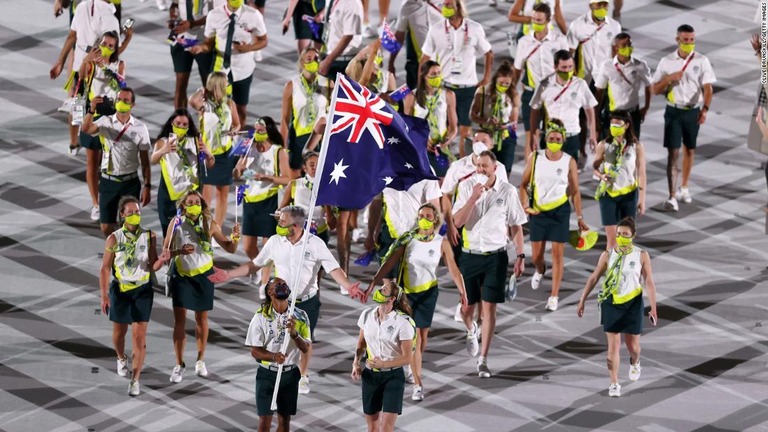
x=193, y=293
x=681, y=127
x=464, y=98
x=383, y=391
x=220, y=174
x=90, y=142
x=485, y=276
x=623, y=318
x=183, y=60
x=241, y=91
x=296, y=148
x=612, y=210
x=551, y=225
x=423, y=305
x=110, y=192
x=131, y=306
x=287, y=396
x=257, y=219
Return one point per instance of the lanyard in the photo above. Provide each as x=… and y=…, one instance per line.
x=533, y=51
x=122, y=132
x=688, y=61
x=331, y=8
x=600, y=27
x=450, y=37
x=618, y=69
x=563, y=90
x=429, y=3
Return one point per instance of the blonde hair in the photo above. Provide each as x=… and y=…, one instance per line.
x=216, y=87
x=299, y=63
x=461, y=8
x=438, y=220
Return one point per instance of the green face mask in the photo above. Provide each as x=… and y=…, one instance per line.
x=133, y=219
x=565, y=76
x=538, y=28
x=426, y=224
x=623, y=241
x=435, y=82
x=625, y=51
x=554, y=147
x=235, y=4
x=106, y=51
x=379, y=298
x=686, y=48
x=501, y=89
x=180, y=132
x=283, y=231
x=617, y=131
x=312, y=67
x=194, y=210
x=600, y=14
x=122, y=107
x=260, y=137
x=448, y=12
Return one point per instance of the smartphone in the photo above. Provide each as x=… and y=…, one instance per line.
x=653, y=319
x=128, y=24
x=106, y=309
x=172, y=137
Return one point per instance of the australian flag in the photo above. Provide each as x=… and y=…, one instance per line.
x=370, y=146
x=388, y=40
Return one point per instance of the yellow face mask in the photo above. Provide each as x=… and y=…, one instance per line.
x=106, y=51
x=623, y=241
x=600, y=14
x=312, y=67
x=122, y=107
x=448, y=12
x=625, y=51
x=426, y=224
x=687, y=48
x=235, y=4
x=538, y=28
x=133, y=219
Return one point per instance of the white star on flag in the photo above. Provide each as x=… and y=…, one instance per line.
x=388, y=180
x=393, y=140
x=408, y=165
x=338, y=171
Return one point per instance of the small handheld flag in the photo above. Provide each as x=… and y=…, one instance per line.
x=400, y=93
x=365, y=258
x=239, y=197
x=388, y=40
x=201, y=158
x=315, y=27
x=242, y=145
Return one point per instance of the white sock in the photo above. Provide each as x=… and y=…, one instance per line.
x=482, y=359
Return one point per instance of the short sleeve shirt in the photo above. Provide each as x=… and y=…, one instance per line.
x=248, y=23
x=402, y=207
x=698, y=72
x=267, y=330
x=624, y=82
x=382, y=339
x=345, y=19
x=200, y=9
x=537, y=58
x=286, y=258
x=457, y=50
x=92, y=19
x=463, y=169
x=121, y=144
x=563, y=101
x=416, y=17
x=595, y=41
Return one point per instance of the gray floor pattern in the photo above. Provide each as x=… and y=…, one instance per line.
x=704, y=365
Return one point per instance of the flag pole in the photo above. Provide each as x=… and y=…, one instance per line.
x=305, y=237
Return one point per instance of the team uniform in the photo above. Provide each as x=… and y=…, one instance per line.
x=309, y=101
x=457, y=50
x=483, y=261
x=121, y=144
x=189, y=284
x=499, y=106
x=92, y=19
x=261, y=195
x=684, y=101
x=102, y=81
x=179, y=174
x=192, y=10
x=620, y=198
x=286, y=258
x=342, y=18
x=435, y=112
x=130, y=293
x=301, y=193
x=215, y=123
x=419, y=277
x=563, y=101
x=267, y=330
x=621, y=311
x=622, y=84
x=550, y=184
x=414, y=18
x=592, y=43
x=383, y=388
x=301, y=28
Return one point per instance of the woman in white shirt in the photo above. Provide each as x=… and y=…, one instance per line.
x=418, y=253
x=386, y=338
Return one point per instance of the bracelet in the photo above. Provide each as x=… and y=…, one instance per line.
x=580, y=217
x=147, y=185
x=521, y=256
x=294, y=333
x=705, y=108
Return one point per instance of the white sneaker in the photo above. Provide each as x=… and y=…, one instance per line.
x=482, y=370
x=536, y=280
x=552, y=304
x=95, y=213
x=343, y=291
x=161, y=5
x=74, y=150
x=634, y=371
x=258, y=56
x=133, y=388
x=368, y=31
x=671, y=204
x=357, y=234
x=65, y=105
x=683, y=194
x=457, y=315
x=178, y=373
x=473, y=346
x=614, y=390
x=409, y=375
x=200, y=369
x=122, y=367
x=304, y=385
x=418, y=393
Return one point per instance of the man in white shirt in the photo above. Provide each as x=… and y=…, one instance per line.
x=413, y=22
x=456, y=43
x=125, y=147
x=342, y=34
x=233, y=31
x=190, y=18
x=686, y=77
x=621, y=79
x=535, y=57
x=283, y=252
x=562, y=95
x=490, y=213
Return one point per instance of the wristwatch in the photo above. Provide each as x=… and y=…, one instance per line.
x=148, y=185
x=521, y=256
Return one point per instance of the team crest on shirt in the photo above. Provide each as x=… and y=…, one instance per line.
x=500, y=201
x=307, y=255
x=559, y=171
x=632, y=264
x=696, y=69
x=573, y=95
x=142, y=248
x=268, y=162
x=431, y=252
x=610, y=35
x=391, y=329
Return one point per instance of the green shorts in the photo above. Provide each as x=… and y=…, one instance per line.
x=383, y=391
x=110, y=192
x=131, y=306
x=681, y=127
x=287, y=396
x=485, y=276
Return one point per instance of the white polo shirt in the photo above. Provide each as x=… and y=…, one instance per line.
x=249, y=22
x=416, y=17
x=121, y=144
x=498, y=208
x=564, y=101
x=286, y=258
x=463, y=169
x=382, y=339
x=537, y=58
x=203, y=7
x=596, y=41
x=698, y=73
x=624, y=82
x=457, y=50
x=92, y=19
x=267, y=330
x=345, y=18
x=402, y=207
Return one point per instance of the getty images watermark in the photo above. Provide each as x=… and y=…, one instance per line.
x=764, y=42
